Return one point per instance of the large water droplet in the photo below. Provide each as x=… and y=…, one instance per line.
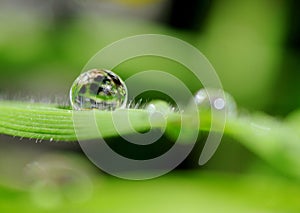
x=98, y=89
x=208, y=99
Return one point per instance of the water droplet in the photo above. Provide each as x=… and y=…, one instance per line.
x=158, y=106
x=207, y=99
x=158, y=113
x=98, y=89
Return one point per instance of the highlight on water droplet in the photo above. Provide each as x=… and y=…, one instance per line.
x=98, y=89
x=208, y=99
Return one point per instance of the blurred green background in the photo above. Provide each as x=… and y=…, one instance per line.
x=254, y=45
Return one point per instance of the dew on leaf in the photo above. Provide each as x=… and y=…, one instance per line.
x=98, y=89
x=208, y=99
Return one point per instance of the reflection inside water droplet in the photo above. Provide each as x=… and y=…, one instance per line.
x=98, y=89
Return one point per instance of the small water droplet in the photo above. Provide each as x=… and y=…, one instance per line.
x=158, y=106
x=98, y=89
x=158, y=112
x=207, y=99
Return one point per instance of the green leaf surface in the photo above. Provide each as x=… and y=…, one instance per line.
x=275, y=141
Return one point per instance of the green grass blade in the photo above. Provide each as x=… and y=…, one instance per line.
x=275, y=141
